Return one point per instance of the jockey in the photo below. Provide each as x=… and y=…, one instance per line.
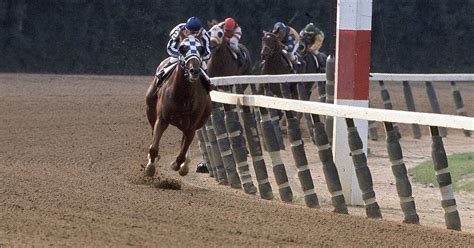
x=290, y=38
x=312, y=37
x=193, y=27
x=232, y=34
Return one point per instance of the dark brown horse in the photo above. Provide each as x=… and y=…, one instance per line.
x=222, y=61
x=275, y=62
x=315, y=63
x=181, y=101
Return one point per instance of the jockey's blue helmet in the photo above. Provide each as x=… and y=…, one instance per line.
x=193, y=24
x=279, y=25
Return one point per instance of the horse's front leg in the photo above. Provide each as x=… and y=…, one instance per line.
x=151, y=100
x=153, y=157
x=184, y=156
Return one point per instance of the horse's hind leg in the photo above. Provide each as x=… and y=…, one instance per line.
x=153, y=157
x=183, y=158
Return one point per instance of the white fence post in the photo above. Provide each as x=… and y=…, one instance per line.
x=354, y=19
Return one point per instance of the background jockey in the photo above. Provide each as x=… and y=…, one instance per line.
x=311, y=38
x=290, y=39
x=232, y=34
x=193, y=26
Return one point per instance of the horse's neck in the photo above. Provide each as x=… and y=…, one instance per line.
x=222, y=53
x=219, y=65
x=312, y=64
x=182, y=87
x=276, y=63
x=223, y=49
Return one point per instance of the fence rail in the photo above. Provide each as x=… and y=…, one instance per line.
x=254, y=79
x=440, y=120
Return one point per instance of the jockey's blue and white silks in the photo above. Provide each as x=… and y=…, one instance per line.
x=173, y=43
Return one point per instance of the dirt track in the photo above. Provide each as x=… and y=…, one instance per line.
x=70, y=152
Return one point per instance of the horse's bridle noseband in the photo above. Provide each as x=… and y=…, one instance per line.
x=184, y=61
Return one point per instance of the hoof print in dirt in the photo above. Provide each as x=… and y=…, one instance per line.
x=167, y=183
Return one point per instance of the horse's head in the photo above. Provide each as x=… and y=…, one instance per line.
x=216, y=34
x=270, y=45
x=191, y=49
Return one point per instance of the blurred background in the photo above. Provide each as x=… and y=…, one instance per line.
x=125, y=37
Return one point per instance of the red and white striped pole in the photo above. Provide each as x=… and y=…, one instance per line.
x=354, y=20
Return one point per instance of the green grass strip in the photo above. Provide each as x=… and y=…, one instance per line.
x=460, y=165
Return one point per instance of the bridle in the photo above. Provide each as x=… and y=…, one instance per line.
x=189, y=49
x=217, y=34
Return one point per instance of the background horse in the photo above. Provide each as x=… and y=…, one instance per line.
x=181, y=101
x=275, y=62
x=315, y=63
x=222, y=61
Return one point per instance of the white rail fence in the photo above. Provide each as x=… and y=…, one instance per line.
x=220, y=146
x=430, y=119
x=220, y=81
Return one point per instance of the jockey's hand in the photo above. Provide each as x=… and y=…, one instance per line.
x=227, y=39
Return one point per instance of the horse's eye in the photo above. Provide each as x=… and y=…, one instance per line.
x=220, y=34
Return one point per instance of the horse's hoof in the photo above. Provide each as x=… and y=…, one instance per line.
x=184, y=168
x=249, y=188
x=150, y=170
x=174, y=166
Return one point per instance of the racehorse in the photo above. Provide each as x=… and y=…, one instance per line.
x=275, y=62
x=181, y=101
x=222, y=61
x=315, y=63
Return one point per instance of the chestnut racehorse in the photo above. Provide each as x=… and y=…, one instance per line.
x=181, y=101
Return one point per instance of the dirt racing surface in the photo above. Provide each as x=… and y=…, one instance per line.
x=71, y=148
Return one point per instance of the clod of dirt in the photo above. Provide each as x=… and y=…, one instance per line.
x=167, y=183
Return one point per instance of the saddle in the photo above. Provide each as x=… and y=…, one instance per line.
x=165, y=73
x=168, y=69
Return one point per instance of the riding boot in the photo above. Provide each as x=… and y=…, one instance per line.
x=159, y=78
x=238, y=55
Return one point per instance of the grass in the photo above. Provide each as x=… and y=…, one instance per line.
x=461, y=167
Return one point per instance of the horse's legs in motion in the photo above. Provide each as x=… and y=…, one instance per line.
x=153, y=157
x=151, y=99
x=183, y=158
